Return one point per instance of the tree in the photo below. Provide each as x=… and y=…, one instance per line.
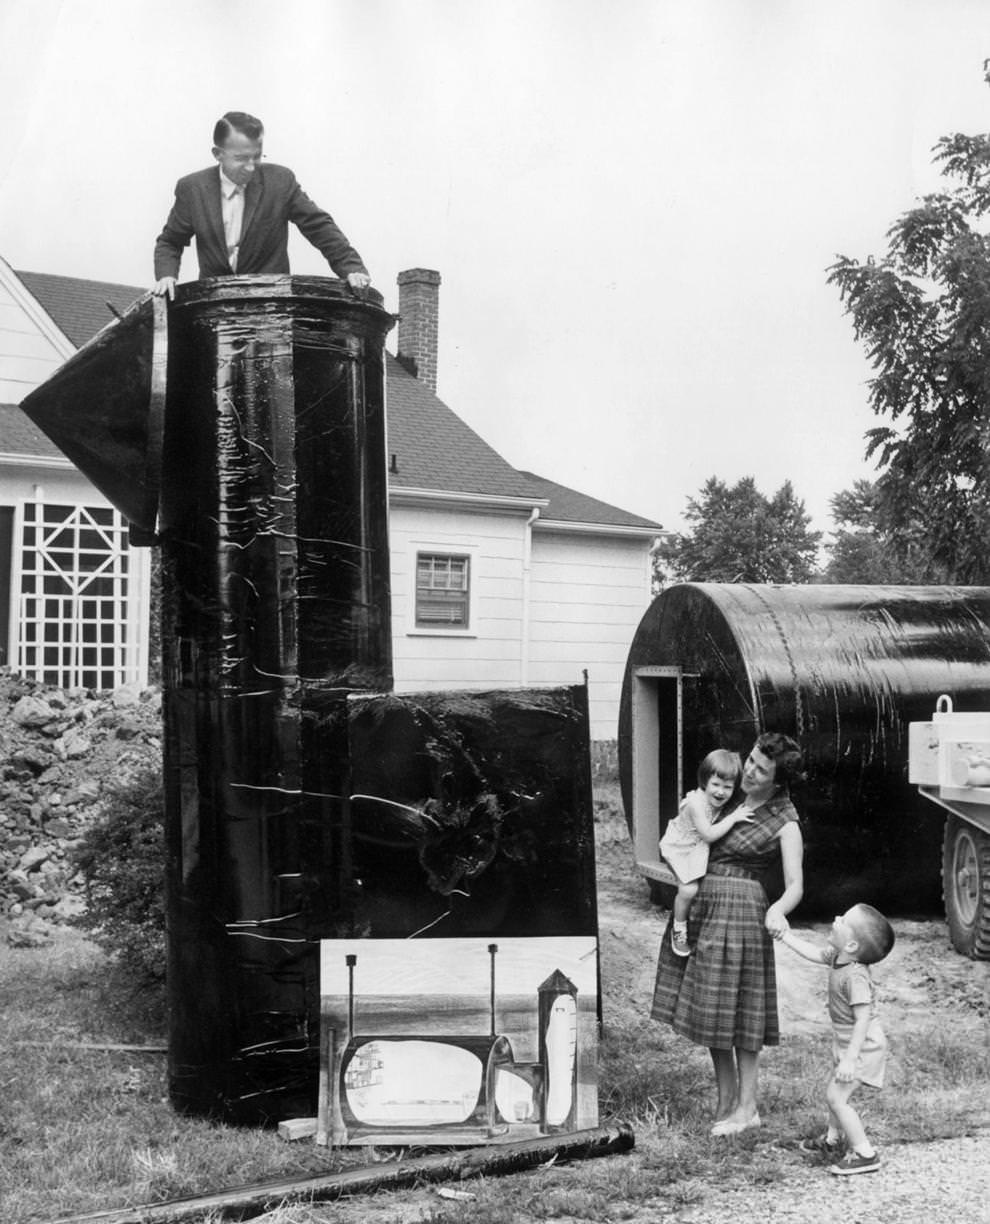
x=868, y=547
x=739, y=535
x=923, y=312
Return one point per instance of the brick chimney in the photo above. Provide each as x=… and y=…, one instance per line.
x=419, y=297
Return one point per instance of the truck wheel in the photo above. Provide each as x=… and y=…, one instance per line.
x=966, y=887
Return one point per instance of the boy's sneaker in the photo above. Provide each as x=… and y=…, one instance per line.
x=821, y=1145
x=679, y=942
x=852, y=1162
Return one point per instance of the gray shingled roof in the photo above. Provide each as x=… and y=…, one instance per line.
x=79, y=307
x=570, y=506
x=435, y=449
x=432, y=447
x=20, y=436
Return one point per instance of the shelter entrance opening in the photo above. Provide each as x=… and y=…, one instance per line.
x=657, y=753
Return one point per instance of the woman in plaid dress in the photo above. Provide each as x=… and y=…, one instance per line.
x=725, y=995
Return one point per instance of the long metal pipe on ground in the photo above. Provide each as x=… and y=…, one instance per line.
x=246, y=1202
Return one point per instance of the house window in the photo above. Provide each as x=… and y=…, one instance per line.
x=443, y=591
x=73, y=623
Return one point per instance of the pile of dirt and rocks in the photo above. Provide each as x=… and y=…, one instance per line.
x=62, y=752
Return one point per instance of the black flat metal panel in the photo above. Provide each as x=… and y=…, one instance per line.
x=472, y=814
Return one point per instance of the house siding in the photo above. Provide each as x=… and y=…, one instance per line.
x=487, y=655
x=27, y=356
x=64, y=487
x=587, y=597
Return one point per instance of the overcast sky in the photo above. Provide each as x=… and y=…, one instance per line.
x=456, y=966
x=632, y=203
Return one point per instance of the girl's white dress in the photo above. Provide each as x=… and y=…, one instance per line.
x=683, y=850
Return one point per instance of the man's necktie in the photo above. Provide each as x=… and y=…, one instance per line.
x=232, y=225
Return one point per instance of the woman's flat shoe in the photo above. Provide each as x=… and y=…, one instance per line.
x=728, y=1127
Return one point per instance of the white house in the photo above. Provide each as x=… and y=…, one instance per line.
x=500, y=578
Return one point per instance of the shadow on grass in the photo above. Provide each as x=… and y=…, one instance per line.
x=91, y=997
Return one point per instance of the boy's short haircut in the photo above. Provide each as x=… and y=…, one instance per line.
x=722, y=762
x=874, y=934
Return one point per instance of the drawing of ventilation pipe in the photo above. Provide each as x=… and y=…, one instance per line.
x=558, y=1052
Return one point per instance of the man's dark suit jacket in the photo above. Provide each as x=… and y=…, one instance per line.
x=272, y=199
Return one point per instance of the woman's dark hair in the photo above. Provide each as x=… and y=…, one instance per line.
x=786, y=755
x=239, y=121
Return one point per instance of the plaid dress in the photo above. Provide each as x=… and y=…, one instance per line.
x=725, y=993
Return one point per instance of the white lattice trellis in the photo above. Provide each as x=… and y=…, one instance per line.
x=75, y=606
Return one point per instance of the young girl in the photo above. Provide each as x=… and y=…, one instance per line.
x=685, y=844
x=859, y=938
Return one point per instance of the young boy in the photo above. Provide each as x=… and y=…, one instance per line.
x=859, y=938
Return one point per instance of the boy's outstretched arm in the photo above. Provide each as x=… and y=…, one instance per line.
x=804, y=947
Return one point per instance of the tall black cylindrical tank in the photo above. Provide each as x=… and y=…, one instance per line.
x=843, y=669
x=273, y=531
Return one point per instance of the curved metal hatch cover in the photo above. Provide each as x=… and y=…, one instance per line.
x=105, y=410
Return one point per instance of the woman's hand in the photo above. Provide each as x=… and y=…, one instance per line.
x=845, y=1069
x=775, y=921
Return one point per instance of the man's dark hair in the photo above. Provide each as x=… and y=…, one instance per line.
x=237, y=121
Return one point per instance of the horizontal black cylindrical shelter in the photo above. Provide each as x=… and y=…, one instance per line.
x=842, y=669
x=273, y=530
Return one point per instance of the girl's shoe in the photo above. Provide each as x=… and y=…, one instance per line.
x=679, y=942
x=852, y=1162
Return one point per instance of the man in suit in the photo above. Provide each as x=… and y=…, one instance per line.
x=239, y=214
